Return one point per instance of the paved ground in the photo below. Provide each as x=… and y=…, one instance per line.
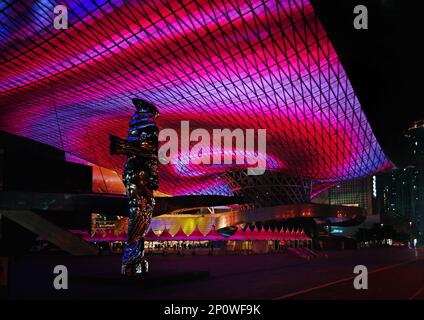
x=401, y=281
x=393, y=274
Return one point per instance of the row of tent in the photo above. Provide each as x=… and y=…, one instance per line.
x=197, y=235
x=240, y=235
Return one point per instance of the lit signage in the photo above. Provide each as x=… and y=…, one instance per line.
x=374, y=186
x=336, y=230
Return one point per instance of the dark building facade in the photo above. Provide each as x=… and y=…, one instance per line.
x=416, y=137
x=30, y=167
x=398, y=194
x=354, y=193
x=401, y=191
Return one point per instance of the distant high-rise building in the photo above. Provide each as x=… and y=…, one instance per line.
x=398, y=194
x=401, y=191
x=416, y=135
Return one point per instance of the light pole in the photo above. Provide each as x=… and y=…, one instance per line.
x=411, y=243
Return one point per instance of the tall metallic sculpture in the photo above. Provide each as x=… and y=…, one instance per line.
x=140, y=177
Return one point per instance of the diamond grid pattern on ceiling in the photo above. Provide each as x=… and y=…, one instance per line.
x=218, y=64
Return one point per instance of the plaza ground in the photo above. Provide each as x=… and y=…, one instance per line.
x=393, y=274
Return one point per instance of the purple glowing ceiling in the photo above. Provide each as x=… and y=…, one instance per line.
x=218, y=64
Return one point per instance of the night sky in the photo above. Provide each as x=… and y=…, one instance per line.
x=384, y=64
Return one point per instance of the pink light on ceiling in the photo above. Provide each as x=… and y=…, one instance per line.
x=219, y=64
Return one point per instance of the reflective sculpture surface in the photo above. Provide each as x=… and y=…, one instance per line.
x=140, y=177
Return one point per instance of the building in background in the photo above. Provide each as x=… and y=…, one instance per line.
x=352, y=193
x=399, y=195
x=415, y=134
x=355, y=193
x=358, y=193
x=401, y=191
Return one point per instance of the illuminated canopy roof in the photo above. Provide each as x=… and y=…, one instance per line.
x=219, y=64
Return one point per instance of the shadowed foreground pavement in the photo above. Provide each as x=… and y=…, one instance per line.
x=393, y=274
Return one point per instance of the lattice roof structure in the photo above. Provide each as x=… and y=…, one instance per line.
x=219, y=64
